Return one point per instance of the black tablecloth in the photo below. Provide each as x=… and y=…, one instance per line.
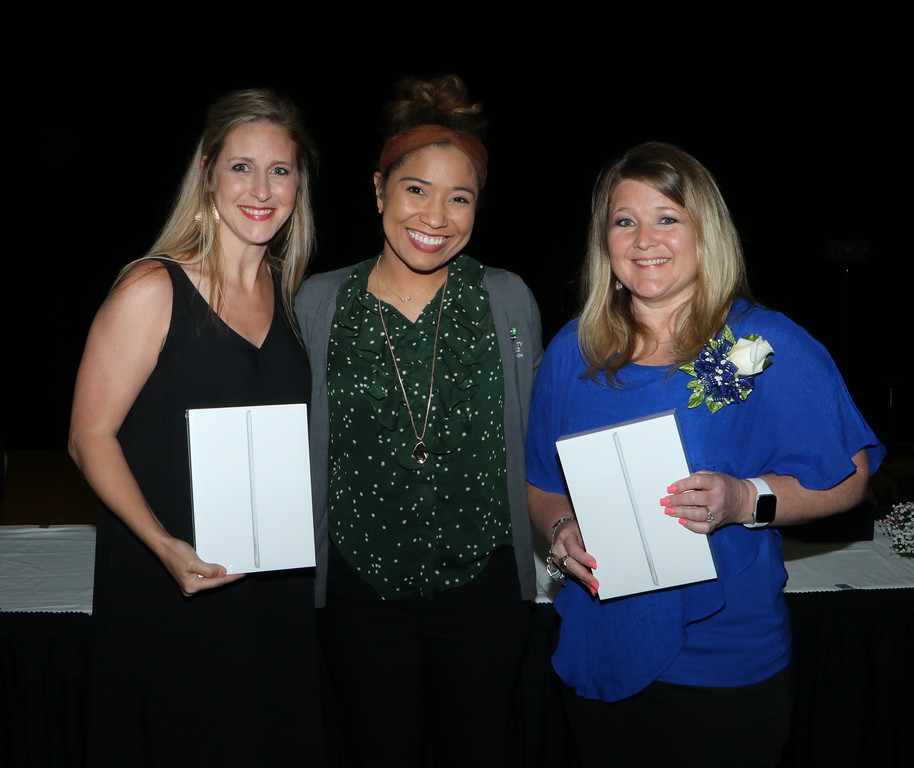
x=852, y=673
x=853, y=679
x=43, y=661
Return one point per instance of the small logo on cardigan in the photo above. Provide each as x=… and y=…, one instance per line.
x=518, y=345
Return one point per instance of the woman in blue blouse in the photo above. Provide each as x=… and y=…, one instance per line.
x=696, y=674
x=422, y=367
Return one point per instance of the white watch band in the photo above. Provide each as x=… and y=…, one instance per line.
x=761, y=487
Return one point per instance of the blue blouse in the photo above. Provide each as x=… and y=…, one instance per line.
x=799, y=420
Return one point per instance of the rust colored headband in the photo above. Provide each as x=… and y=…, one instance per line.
x=421, y=135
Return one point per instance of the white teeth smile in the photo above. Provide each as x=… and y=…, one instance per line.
x=650, y=262
x=256, y=211
x=425, y=239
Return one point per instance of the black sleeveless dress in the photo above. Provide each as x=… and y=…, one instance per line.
x=229, y=676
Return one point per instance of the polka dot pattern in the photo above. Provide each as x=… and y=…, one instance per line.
x=411, y=528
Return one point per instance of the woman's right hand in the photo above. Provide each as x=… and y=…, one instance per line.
x=190, y=572
x=553, y=514
x=570, y=556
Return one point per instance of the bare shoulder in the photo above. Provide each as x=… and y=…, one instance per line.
x=141, y=299
x=146, y=283
x=124, y=342
x=147, y=278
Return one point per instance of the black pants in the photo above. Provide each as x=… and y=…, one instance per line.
x=685, y=726
x=420, y=682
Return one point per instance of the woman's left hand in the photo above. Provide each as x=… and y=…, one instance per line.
x=704, y=501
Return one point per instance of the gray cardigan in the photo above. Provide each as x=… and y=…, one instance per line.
x=513, y=306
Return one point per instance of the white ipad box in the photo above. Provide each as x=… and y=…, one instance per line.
x=251, y=487
x=616, y=477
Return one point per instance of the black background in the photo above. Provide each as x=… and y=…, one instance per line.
x=804, y=117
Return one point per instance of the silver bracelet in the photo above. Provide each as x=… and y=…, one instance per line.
x=555, y=528
x=552, y=568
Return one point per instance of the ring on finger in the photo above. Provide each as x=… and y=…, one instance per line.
x=710, y=516
x=562, y=561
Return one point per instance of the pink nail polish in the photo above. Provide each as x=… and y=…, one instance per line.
x=682, y=521
x=664, y=501
x=671, y=489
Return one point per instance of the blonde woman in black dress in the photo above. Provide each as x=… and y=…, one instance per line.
x=191, y=666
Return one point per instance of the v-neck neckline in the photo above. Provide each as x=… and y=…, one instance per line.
x=222, y=322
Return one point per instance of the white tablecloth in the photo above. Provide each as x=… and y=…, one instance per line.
x=50, y=568
x=46, y=568
x=834, y=566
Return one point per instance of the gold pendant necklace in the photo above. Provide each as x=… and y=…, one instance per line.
x=390, y=287
x=420, y=452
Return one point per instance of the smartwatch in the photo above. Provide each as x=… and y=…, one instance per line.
x=766, y=504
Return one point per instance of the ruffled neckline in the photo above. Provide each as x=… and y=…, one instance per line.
x=459, y=358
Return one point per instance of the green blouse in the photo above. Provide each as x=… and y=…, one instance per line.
x=411, y=528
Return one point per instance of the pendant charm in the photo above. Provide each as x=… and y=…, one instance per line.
x=420, y=452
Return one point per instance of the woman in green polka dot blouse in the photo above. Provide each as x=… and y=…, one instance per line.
x=423, y=362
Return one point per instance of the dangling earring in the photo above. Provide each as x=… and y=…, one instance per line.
x=198, y=217
x=618, y=286
x=215, y=213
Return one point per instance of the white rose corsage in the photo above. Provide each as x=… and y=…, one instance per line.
x=725, y=369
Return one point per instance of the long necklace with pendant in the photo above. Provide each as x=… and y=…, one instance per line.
x=420, y=452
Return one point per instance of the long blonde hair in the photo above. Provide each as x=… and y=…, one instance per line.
x=608, y=331
x=191, y=233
